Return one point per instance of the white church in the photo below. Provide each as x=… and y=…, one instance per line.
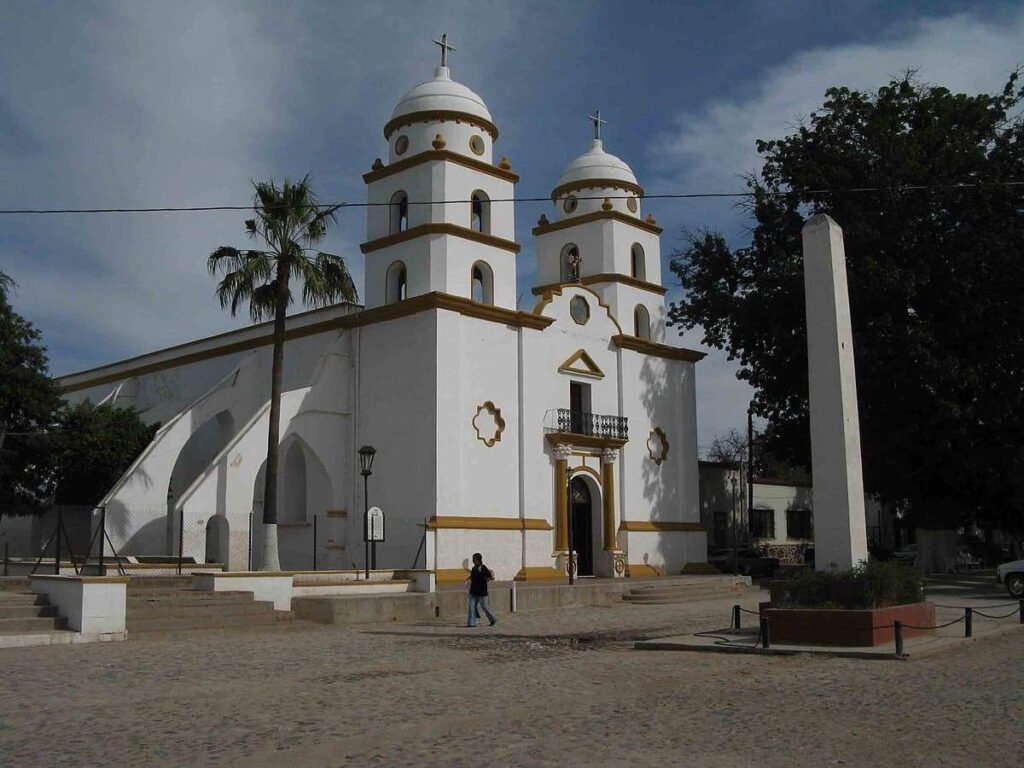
x=497, y=430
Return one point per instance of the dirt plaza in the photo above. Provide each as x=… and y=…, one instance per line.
x=543, y=688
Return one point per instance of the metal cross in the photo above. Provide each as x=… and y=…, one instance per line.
x=598, y=122
x=443, y=42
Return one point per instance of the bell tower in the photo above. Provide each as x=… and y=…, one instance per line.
x=440, y=214
x=600, y=239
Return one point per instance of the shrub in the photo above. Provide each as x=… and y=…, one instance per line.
x=868, y=585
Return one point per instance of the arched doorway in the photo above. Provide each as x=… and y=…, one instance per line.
x=581, y=519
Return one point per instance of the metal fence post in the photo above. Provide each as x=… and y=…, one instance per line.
x=1021, y=610
x=898, y=633
x=736, y=617
x=7, y=555
x=766, y=640
x=103, y=535
x=56, y=560
x=968, y=622
x=314, y=542
x=249, y=562
x=181, y=538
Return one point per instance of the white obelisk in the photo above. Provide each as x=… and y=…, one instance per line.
x=840, y=533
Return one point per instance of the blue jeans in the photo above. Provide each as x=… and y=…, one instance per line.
x=480, y=600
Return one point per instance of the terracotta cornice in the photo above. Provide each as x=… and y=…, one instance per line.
x=574, y=186
x=432, y=115
x=435, y=155
x=657, y=350
x=411, y=306
x=587, y=441
x=658, y=525
x=605, y=277
x=440, y=229
x=586, y=218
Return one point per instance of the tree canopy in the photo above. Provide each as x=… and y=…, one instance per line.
x=935, y=281
x=28, y=399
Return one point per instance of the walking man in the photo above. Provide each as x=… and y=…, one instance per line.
x=477, y=581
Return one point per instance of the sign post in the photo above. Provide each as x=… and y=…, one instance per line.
x=374, y=531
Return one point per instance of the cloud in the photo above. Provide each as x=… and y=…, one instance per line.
x=143, y=104
x=712, y=147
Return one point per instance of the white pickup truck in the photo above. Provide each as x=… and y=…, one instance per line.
x=1012, y=575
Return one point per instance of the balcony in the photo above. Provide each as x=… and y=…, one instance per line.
x=594, y=428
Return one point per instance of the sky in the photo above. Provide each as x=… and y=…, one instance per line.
x=146, y=104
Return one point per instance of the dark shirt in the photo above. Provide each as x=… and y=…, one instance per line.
x=478, y=578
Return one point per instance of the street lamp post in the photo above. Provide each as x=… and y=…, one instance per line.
x=366, y=454
x=735, y=529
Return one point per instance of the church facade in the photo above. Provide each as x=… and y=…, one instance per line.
x=497, y=430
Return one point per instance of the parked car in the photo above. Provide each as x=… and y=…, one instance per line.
x=749, y=562
x=1012, y=576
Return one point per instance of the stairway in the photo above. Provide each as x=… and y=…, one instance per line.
x=172, y=606
x=25, y=613
x=669, y=593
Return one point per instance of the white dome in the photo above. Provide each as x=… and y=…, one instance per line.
x=442, y=94
x=596, y=164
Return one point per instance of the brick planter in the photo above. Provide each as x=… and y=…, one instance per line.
x=846, y=628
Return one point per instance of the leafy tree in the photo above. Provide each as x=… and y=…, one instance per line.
x=732, y=447
x=28, y=399
x=935, y=278
x=290, y=223
x=89, y=448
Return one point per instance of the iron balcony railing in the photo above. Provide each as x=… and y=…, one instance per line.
x=574, y=422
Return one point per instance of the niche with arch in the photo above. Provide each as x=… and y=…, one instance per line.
x=396, y=281
x=641, y=322
x=482, y=283
x=399, y=212
x=638, y=266
x=567, y=272
x=480, y=212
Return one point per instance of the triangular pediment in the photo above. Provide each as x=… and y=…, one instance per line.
x=581, y=364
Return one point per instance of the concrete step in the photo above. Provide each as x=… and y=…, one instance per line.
x=161, y=594
x=20, y=626
x=250, y=608
x=21, y=598
x=26, y=611
x=711, y=589
x=192, y=598
x=181, y=624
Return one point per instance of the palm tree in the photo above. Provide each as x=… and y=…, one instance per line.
x=290, y=222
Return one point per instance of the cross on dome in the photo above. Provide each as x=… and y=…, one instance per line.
x=443, y=42
x=598, y=122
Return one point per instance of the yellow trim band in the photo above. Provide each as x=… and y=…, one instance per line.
x=466, y=523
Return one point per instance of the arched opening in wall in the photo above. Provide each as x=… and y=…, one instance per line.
x=638, y=268
x=217, y=540
x=480, y=212
x=304, y=489
x=399, y=212
x=641, y=322
x=395, y=283
x=585, y=502
x=570, y=263
x=293, y=508
x=195, y=457
x=482, y=283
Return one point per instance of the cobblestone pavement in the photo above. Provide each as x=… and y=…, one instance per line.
x=546, y=688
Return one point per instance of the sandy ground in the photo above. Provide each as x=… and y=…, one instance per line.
x=546, y=688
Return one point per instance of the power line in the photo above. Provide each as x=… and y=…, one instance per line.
x=545, y=199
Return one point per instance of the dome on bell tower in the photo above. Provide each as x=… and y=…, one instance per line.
x=441, y=94
x=597, y=165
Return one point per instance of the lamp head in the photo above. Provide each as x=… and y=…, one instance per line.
x=366, y=454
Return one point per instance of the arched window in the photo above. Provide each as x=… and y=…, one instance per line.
x=641, y=322
x=638, y=267
x=482, y=283
x=399, y=212
x=570, y=263
x=480, y=212
x=396, y=283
